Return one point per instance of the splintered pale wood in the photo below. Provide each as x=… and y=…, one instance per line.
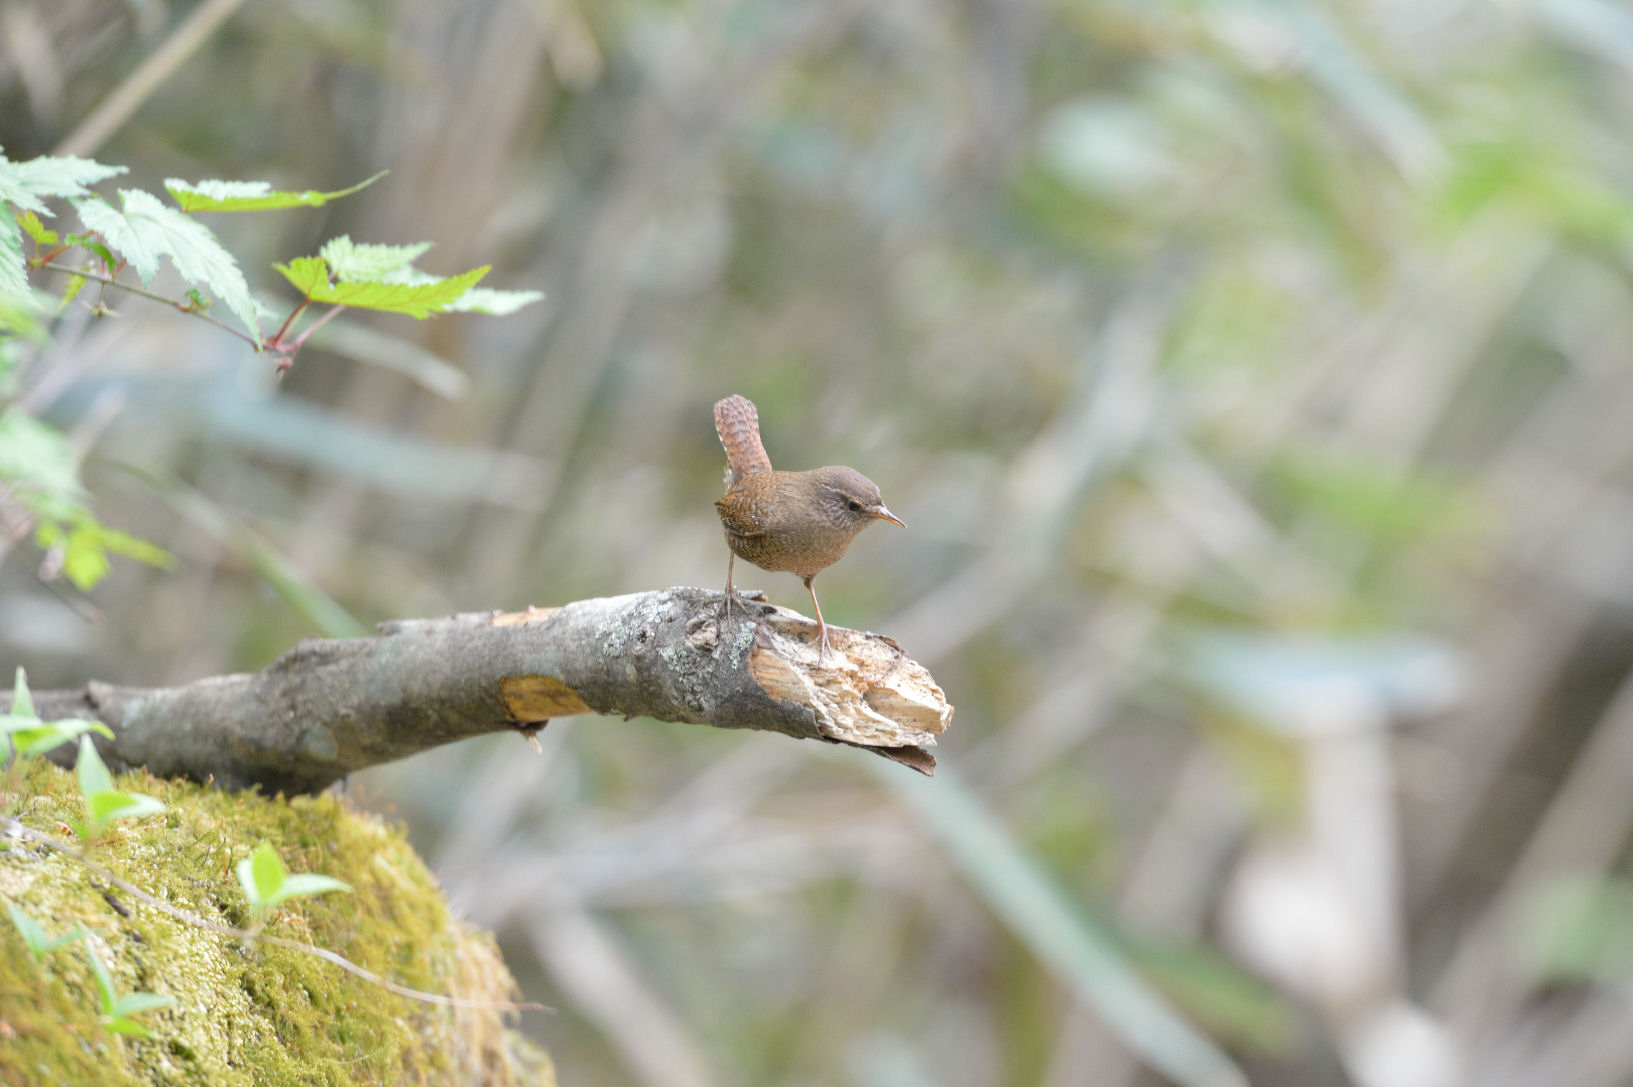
x=330, y=707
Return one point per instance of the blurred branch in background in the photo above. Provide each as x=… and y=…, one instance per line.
x=1255, y=379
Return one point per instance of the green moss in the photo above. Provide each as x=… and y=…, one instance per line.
x=245, y=1014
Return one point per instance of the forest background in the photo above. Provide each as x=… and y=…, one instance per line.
x=1254, y=379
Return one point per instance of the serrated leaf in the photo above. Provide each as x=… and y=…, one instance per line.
x=358, y=262
x=250, y=195
x=494, y=303
x=414, y=300
x=71, y=291
x=146, y=230
x=22, y=703
x=13, y=267
x=86, y=542
x=305, y=274
x=24, y=183
x=35, y=229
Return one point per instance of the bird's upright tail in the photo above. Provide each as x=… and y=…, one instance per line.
x=738, y=425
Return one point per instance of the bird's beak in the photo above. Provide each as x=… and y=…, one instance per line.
x=885, y=515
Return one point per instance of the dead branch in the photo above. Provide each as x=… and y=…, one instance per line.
x=329, y=707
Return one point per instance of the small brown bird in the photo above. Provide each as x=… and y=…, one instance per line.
x=800, y=522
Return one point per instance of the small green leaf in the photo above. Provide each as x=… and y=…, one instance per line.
x=22, y=703
x=414, y=300
x=29, y=929
x=85, y=554
x=105, y=807
x=309, y=883
x=261, y=874
x=84, y=559
x=267, y=883
x=104, y=982
x=71, y=290
x=146, y=230
x=268, y=869
x=110, y=263
x=116, y=1009
x=34, y=936
x=492, y=302
x=104, y=803
x=137, y=1003
x=356, y=262
x=250, y=195
x=92, y=772
x=126, y=1026
x=35, y=229
x=34, y=737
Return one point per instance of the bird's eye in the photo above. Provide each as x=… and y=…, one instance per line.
x=855, y=506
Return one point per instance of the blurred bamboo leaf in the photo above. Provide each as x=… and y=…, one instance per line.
x=1216, y=993
x=346, y=447
x=1576, y=928
x=301, y=592
x=376, y=348
x=1059, y=933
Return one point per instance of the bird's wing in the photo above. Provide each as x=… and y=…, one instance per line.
x=742, y=518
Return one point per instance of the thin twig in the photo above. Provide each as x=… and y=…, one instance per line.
x=277, y=341
x=15, y=827
x=124, y=100
x=154, y=296
x=300, y=341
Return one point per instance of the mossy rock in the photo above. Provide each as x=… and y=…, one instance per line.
x=245, y=1013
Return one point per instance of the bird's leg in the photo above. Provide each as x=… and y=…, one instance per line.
x=730, y=562
x=822, y=626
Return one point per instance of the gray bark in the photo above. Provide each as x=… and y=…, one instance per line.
x=329, y=707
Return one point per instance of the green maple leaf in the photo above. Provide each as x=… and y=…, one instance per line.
x=145, y=230
x=250, y=195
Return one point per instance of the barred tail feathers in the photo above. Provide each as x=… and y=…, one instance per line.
x=738, y=424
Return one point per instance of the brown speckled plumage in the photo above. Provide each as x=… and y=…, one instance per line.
x=800, y=522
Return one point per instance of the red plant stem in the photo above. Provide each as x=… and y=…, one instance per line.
x=277, y=341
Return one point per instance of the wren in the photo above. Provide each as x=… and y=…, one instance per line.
x=800, y=522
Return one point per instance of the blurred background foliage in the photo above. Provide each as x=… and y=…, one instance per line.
x=1253, y=377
